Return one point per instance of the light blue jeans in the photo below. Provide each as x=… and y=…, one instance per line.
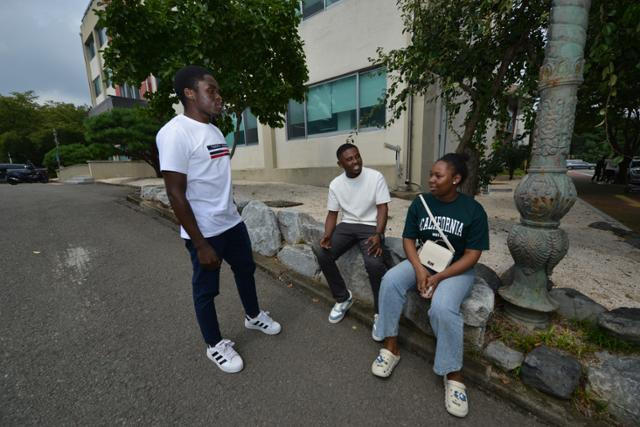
x=444, y=314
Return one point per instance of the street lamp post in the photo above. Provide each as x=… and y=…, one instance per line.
x=55, y=138
x=546, y=193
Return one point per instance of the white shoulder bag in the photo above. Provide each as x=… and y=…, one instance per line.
x=431, y=254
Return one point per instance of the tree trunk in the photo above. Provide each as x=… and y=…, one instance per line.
x=470, y=185
x=235, y=133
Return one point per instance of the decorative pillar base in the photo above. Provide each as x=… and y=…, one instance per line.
x=530, y=319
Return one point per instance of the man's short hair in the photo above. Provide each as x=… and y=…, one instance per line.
x=344, y=147
x=188, y=77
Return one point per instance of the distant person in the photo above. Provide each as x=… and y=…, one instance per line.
x=610, y=170
x=195, y=164
x=362, y=195
x=464, y=223
x=599, y=170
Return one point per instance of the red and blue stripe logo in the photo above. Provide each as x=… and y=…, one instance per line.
x=218, y=150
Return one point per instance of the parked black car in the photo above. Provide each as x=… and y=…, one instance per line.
x=15, y=173
x=633, y=175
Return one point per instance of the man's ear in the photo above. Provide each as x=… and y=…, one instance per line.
x=189, y=93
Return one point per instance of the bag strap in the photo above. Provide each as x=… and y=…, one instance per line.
x=424, y=203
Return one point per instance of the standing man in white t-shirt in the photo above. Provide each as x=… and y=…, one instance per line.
x=195, y=164
x=362, y=195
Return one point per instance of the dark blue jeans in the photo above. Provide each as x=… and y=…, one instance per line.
x=234, y=247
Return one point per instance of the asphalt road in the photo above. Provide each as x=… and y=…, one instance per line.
x=97, y=328
x=609, y=198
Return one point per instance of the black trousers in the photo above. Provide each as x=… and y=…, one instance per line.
x=344, y=237
x=234, y=247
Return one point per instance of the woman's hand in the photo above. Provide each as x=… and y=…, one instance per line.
x=422, y=278
x=432, y=283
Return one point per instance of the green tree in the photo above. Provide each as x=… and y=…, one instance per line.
x=26, y=127
x=73, y=154
x=609, y=101
x=129, y=132
x=251, y=46
x=472, y=53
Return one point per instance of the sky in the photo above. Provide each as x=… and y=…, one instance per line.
x=40, y=49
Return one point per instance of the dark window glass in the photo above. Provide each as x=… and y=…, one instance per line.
x=91, y=47
x=331, y=106
x=97, y=85
x=373, y=85
x=309, y=7
x=102, y=37
x=251, y=127
x=295, y=120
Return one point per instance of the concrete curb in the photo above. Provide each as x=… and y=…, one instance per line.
x=477, y=370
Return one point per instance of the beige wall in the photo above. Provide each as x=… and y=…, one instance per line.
x=340, y=39
x=102, y=169
x=74, y=170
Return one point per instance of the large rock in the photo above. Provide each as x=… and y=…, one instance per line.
x=416, y=310
x=351, y=266
x=161, y=196
x=300, y=258
x=395, y=249
x=551, y=371
x=616, y=381
x=489, y=276
x=503, y=356
x=476, y=310
x=291, y=222
x=623, y=323
x=263, y=228
x=478, y=306
x=575, y=305
x=149, y=192
x=312, y=232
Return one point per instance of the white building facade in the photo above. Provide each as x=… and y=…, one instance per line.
x=343, y=88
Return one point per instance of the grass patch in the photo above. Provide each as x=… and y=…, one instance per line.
x=598, y=337
x=579, y=338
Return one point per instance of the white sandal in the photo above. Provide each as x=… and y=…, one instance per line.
x=384, y=363
x=455, y=398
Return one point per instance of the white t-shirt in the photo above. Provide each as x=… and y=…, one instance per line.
x=200, y=151
x=357, y=197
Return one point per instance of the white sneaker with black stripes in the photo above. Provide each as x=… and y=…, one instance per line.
x=224, y=355
x=263, y=322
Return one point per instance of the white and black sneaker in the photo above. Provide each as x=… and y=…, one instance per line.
x=224, y=355
x=263, y=322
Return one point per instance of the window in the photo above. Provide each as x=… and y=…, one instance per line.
x=128, y=91
x=97, y=86
x=109, y=76
x=373, y=85
x=331, y=107
x=311, y=7
x=295, y=120
x=90, y=47
x=102, y=37
x=342, y=105
x=248, y=133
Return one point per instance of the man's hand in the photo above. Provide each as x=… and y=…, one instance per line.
x=325, y=241
x=207, y=257
x=375, y=245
